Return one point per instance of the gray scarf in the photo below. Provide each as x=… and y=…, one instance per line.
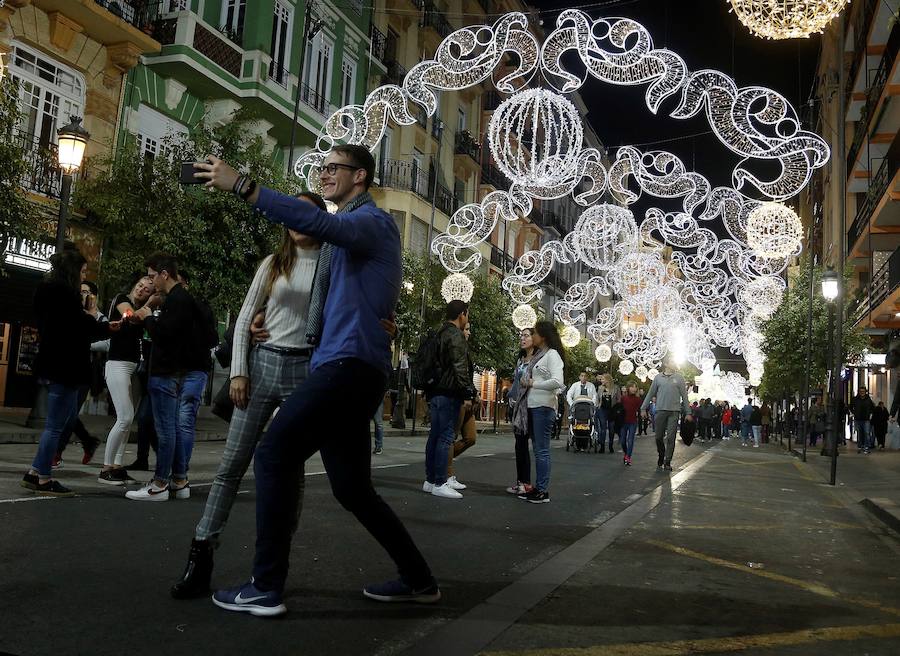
x=520, y=411
x=322, y=278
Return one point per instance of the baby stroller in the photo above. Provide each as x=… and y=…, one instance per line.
x=581, y=425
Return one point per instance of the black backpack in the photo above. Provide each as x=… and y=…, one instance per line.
x=426, y=368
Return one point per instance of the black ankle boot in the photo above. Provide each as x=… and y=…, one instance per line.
x=198, y=572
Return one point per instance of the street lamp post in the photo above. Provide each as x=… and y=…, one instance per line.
x=830, y=292
x=72, y=140
x=310, y=29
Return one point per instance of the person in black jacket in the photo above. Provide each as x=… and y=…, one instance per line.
x=66, y=330
x=880, y=423
x=453, y=390
x=862, y=408
x=179, y=366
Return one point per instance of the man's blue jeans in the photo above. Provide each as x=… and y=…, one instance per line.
x=745, y=432
x=863, y=434
x=626, y=438
x=62, y=405
x=540, y=430
x=600, y=425
x=175, y=401
x=444, y=412
x=378, y=418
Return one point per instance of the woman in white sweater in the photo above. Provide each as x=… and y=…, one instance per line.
x=543, y=381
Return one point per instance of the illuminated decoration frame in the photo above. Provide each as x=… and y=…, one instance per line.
x=698, y=289
x=457, y=287
x=787, y=19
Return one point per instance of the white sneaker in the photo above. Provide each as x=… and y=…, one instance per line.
x=183, y=492
x=455, y=484
x=427, y=487
x=445, y=491
x=149, y=493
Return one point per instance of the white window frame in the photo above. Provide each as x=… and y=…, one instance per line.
x=66, y=92
x=282, y=12
x=234, y=23
x=462, y=120
x=153, y=130
x=348, y=82
x=320, y=49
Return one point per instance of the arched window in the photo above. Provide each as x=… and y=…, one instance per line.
x=49, y=92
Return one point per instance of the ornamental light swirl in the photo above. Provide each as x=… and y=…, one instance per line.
x=678, y=279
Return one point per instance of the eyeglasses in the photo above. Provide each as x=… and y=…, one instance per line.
x=332, y=168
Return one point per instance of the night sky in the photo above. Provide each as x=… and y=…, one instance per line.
x=705, y=35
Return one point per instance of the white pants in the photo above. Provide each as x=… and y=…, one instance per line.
x=119, y=380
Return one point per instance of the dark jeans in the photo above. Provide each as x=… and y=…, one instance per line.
x=76, y=426
x=444, y=415
x=304, y=425
x=146, y=430
x=523, y=458
x=176, y=400
x=62, y=405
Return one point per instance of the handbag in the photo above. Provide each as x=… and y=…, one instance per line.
x=222, y=405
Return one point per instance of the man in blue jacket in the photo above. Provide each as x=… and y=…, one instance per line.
x=353, y=354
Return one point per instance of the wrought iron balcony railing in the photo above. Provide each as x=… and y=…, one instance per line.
x=140, y=13
x=878, y=186
x=316, y=100
x=884, y=282
x=379, y=44
x=395, y=74
x=42, y=173
x=436, y=20
x=279, y=74
x=467, y=145
x=408, y=176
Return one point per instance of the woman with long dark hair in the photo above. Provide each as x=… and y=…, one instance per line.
x=66, y=331
x=262, y=377
x=125, y=352
x=516, y=392
x=541, y=382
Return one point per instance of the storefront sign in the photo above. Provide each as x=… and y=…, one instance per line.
x=29, y=342
x=29, y=254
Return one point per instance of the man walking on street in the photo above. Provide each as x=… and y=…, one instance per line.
x=453, y=390
x=670, y=392
x=178, y=372
x=862, y=409
x=746, y=430
x=353, y=354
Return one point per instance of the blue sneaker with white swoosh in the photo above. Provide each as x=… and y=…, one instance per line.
x=248, y=598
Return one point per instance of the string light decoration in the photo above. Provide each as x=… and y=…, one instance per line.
x=787, y=19
x=626, y=367
x=524, y=316
x=641, y=372
x=570, y=337
x=707, y=285
x=603, y=353
x=652, y=373
x=774, y=231
x=457, y=287
x=535, y=137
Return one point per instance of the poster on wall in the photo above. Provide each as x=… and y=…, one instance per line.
x=28, y=349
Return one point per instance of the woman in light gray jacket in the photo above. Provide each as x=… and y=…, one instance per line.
x=543, y=380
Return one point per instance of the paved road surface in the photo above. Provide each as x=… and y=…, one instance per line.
x=620, y=557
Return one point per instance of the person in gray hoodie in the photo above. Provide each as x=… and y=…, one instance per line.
x=671, y=395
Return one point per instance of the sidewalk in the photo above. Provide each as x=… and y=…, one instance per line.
x=741, y=550
x=209, y=428
x=872, y=480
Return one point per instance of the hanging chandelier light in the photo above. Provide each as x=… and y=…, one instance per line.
x=603, y=353
x=774, y=231
x=570, y=336
x=457, y=287
x=786, y=19
x=524, y=316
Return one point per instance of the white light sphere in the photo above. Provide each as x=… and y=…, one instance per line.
x=641, y=371
x=524, y=316
x=653, y=373
x=535, y=137
x=787, y=19
x=457, y=287
x=626, y=367
x=774, y=231
x=603, y=353
x=570, y=336
x=763, y=295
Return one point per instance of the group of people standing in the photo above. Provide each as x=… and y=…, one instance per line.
x=176, y=366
